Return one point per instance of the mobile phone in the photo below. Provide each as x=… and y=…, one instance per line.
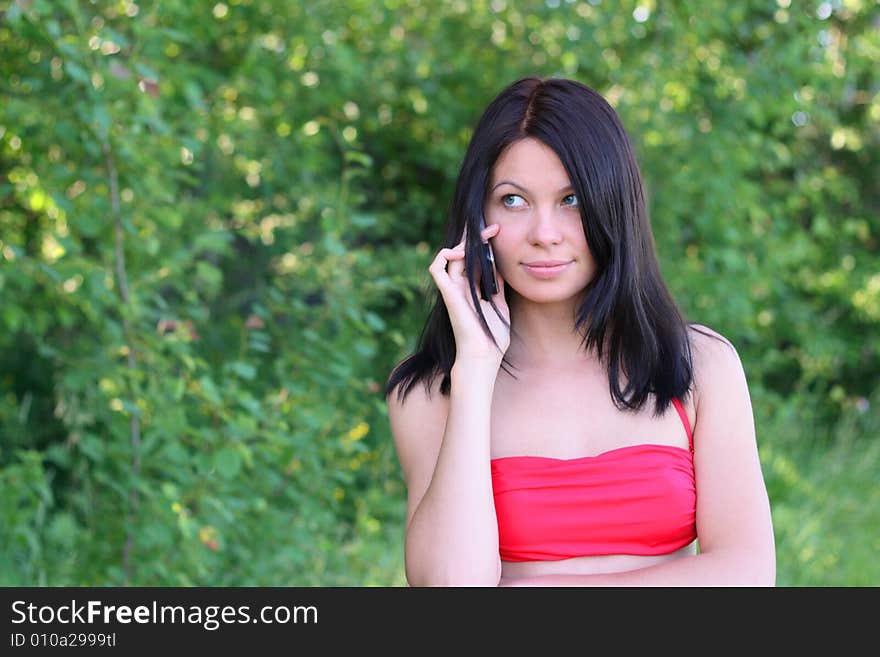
x=488, y=288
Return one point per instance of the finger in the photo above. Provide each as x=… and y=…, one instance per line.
x=490, y=231
x=445, y=255
x=455, y=262
x=487, y=233
x=444, y=259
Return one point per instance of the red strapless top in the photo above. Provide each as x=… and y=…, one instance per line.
x=639, y=499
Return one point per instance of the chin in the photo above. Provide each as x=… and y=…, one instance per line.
x=558, y=294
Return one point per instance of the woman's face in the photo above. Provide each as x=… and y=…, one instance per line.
x=531, y=199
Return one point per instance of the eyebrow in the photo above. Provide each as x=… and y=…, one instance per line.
x=510, y=182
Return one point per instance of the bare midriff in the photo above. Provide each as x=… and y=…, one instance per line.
x=590, y=565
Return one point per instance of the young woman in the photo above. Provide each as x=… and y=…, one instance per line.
x=571, y=428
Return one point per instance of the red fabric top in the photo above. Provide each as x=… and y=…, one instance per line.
x=639, y=499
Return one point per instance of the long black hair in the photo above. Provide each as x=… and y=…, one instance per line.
x=627, y=313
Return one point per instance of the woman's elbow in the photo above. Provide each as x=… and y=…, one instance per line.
x=765, y=567
x=743, y=565
x=767, y=574
x=458, y=574
x=757, y=570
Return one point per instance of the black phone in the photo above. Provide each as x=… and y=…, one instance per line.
x=488, y=287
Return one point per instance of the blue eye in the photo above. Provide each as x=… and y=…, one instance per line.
x=506, y=197
x=574, y=198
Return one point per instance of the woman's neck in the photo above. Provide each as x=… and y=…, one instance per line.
x=543, y=337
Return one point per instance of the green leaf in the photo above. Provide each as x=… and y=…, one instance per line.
x=361, y=220
x=210, y=390
x=228, y=462
x=77, y=72
x=193, y=94
x=374, y=321
x=175, y=453
x=244, y=370
x=88, y=224
x=102, y=120
x=358, y=157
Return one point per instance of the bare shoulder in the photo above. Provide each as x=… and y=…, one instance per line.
x=733, y=510
x=720, y=384
x=707, y=340
x=715, y=359
x=417, y=425
x=423, y=402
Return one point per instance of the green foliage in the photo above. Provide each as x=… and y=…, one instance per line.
x=215, y=225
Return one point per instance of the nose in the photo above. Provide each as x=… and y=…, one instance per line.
x=546, y=226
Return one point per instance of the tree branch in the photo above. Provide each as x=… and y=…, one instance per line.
x=122, y=284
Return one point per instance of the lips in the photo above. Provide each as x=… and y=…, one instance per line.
x=546, y=268
x=546, y=263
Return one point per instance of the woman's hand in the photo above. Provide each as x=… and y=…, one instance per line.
x=471, y=341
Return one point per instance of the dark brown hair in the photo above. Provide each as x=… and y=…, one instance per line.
x=627, y=312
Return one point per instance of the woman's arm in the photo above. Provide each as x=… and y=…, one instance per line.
x=718, y=568
x=734, y=525
x=443, y=448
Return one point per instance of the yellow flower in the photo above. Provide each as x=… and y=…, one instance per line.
x=359, y=431
x=208, y=537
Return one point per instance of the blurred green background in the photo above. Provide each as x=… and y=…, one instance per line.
x=216, y=220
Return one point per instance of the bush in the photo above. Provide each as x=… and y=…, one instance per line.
x=215, y=225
